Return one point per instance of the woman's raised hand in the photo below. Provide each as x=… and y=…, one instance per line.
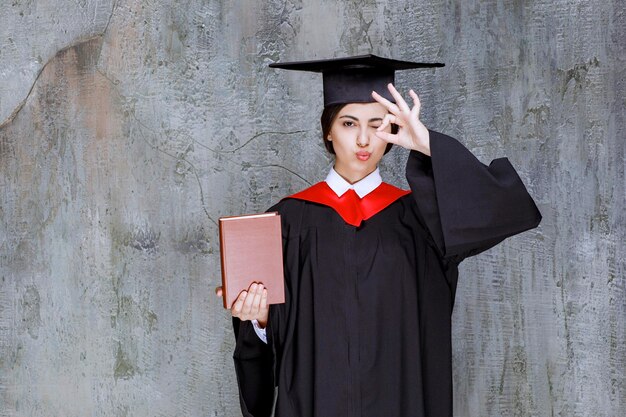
x=412, y=134
x=251, y=304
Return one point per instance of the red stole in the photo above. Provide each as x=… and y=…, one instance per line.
x=349, y=206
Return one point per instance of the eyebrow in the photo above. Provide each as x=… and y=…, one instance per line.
x=375, y=119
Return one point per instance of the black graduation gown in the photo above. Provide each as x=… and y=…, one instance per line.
x=365, y=330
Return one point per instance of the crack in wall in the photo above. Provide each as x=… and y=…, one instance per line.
x=22, y=103
x=246, y=143
x=281, y=167
x=193, y=167
x=106, y=27
x=75, y=44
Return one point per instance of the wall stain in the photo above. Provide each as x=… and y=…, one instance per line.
x=90, y=43
x=357, y=36
x=142, y=238
x=194, y=241
x=131, y=314
x=29, y=306
x=599, y=220
x=541, y=113
x=7, y=151
x=578, y=74
x=123, y=369
x=502, y=124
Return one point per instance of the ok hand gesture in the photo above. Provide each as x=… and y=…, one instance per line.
x=412, y=133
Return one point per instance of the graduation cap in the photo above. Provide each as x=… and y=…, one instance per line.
x=352, y=79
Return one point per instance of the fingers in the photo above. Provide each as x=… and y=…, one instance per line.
x=264, y=300
x=249, y=301
x=251, y=304
x=218, y=291
x=400, y=106
x=415, y=111
x=392, y=108
x=412, y=134
x=256, y=302
x=399, y=100
x=238, y=304
x=388, y=137
x=387, y=120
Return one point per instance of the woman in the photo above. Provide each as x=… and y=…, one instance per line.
x=371, y=270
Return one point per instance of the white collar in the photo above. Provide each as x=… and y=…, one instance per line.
x=362, y=187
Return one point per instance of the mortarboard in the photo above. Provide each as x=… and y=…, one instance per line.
x=352, y=79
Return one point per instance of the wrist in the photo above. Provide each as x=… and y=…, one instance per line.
x=423, y=144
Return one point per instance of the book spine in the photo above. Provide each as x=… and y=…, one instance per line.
x=223, y=263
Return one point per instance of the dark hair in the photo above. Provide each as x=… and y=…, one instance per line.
x=328, y=117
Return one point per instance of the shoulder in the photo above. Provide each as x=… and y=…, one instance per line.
x=316, y=193
x=398, y=198
x=287, y=206
x=297, y=208
x=291, y=211
x=391, y=190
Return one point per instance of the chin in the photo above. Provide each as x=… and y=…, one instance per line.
x=364, y=169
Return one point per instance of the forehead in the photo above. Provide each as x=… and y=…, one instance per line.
x=363, y=110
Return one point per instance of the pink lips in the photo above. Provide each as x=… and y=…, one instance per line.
x=363, y=155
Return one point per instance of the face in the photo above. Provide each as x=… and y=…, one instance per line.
x=353, y=134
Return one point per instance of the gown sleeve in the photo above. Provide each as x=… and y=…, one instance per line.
x=254, y=369
x=466, y=206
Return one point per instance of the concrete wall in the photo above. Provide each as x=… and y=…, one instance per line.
x=128, y=127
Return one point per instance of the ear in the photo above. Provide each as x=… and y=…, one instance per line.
x=329, y=138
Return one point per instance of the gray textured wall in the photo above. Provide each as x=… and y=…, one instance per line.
x=128, y=127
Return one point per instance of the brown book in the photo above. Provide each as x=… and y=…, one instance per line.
x=251, y=251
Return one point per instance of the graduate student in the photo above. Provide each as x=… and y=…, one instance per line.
x=371, y=270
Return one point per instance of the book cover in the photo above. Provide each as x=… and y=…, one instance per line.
x=251, y=251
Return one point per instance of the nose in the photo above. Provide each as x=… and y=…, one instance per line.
x=363, y=139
